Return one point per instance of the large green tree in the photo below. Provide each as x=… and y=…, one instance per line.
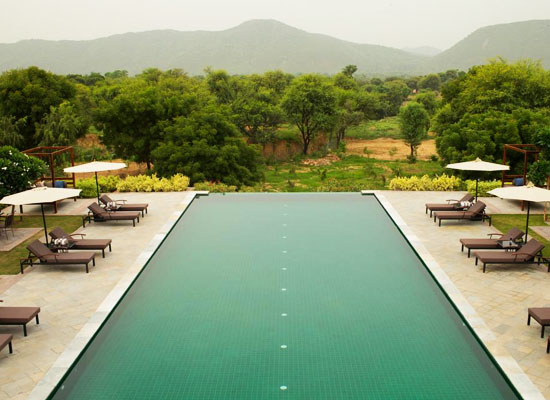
x=489, y=106
x=310, y=103
x=206, y=145
x=27, y=95
x=414, y=122
x=61, y=127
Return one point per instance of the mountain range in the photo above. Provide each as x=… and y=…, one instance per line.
x=260, y=45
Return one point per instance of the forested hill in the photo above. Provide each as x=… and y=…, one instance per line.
x=528, y=39
x=260, y=45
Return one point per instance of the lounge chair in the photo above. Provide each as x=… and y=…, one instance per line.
x=475, y=213
x=541, y=315
x=81, y=244
x=451, y=205
x=121, y=205
x=5, y=340
x=529, y=254
x=513, y=235
x=100, y=215
x=46, y=256
x=19, y=316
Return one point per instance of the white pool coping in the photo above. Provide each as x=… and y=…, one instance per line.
x=507, y=363
x=54, y=375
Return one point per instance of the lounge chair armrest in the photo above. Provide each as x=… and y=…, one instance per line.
x=494, y=233
x=121, y=201
x=78, y=234
x=451, y=200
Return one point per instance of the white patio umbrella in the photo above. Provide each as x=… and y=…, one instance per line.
x=40, y=195
x=478, y=165
x=95, y=167
x=529, y=193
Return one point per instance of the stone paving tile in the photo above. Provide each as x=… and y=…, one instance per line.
x=502, y=295
x=68, y=297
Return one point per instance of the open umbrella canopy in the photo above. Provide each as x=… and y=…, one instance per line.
x=40, y=195
x=95, y=167
x=529, y=193
x=480, y=166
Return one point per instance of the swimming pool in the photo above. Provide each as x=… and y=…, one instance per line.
x=299, y=296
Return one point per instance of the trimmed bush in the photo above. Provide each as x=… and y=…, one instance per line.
x=415, y=183
x=483, y=188
x=215, y=187
x=107, y=184
x=145, y=183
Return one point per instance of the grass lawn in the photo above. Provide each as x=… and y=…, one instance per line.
x=504, y=222
x=9, y=260
x=384, y=128
x=351, y=173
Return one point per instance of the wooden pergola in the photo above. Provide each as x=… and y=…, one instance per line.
x=49, y=153
x=525, y=149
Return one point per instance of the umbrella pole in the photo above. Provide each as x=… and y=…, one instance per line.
x=97, y=188
x=477, y=182
x=527, y=223
x=44, y=221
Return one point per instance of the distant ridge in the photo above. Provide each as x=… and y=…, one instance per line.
x=260, y=45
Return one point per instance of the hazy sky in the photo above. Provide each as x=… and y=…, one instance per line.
x=396, y=23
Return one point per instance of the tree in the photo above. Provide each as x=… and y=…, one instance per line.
x=134, y=112
x=18, y=171
x=61, y=127
x=348, y=113
x=221, y=85
x=206, y=146
x=432, y=82
x=27, y=95
x=429, y=101
x=394, y=93
x=349, y=70
x=414, y=122
x=9, y=131
x=310, y=103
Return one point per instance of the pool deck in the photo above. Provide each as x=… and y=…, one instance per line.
x=73, y=303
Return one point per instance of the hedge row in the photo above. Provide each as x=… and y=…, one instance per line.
x=442, y=183
x=139, y=183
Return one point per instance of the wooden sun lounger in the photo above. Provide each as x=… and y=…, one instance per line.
x=491, y=244
x=19, y=316
x=46, y=256
x=5, y=340
x=475, y=213
x=541, y=315
x=81, y=244
x=531, y=253
x=451, y=204
x=123, y=206
x=100, y=215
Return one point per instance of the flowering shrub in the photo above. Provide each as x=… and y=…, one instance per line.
x=415, y=183
x=215, y=187
x=18, y=171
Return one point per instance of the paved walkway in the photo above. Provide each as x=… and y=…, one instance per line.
x=502, y=295
x=68, y=296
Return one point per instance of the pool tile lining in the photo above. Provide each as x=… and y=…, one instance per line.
x=507, y=363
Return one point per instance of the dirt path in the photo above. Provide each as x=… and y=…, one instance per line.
x=389, y=149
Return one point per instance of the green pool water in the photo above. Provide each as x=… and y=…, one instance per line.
x=254, y=293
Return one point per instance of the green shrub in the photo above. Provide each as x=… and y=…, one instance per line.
x=340, y=185
x=215, y=187
x=483, y=187
x=415, y=183
x=538, y=172
x=145, y=183
x=17, y=170
x=107, y=184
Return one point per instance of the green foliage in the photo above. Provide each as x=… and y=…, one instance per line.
x=415, y=183
x=539, y=172
x=414, y=122
x=61, y=127
x=491, y=105
x=152, y=183
x=215, y=187
x=10, y=131
x=432, y=82
x=18, y=171
x=310, y=103
x=28, y=94
x=207, y=146
x=107, y=184
x=542, y=139
x=429, y=101
x=340, y=185
x=483, y=187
